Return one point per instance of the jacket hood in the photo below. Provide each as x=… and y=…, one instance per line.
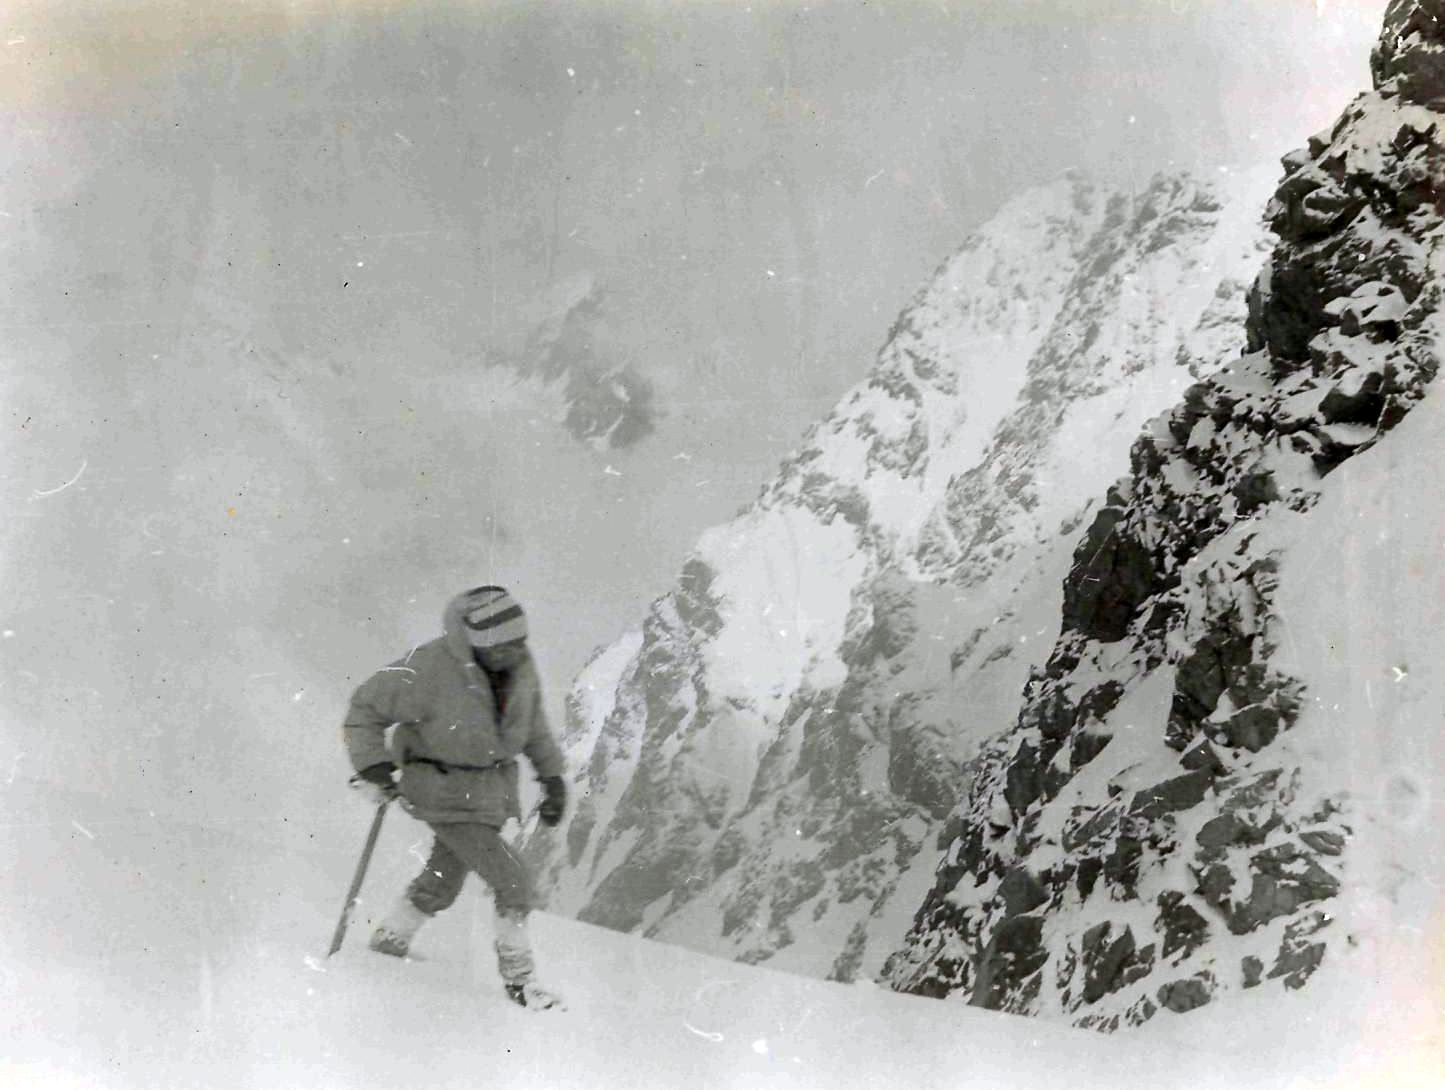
x=454, y=628
x=454, y=631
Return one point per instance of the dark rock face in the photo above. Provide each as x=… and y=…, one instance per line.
x=1112, y=961
x=1177, y=792
x=1113, y=575
x=1252, y=969
x=1409, y=58
x=1298, y=956
x=1013, y=955
x=1184, y=995
x=1183, y=927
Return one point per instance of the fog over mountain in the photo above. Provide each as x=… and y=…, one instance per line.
x=294, y=288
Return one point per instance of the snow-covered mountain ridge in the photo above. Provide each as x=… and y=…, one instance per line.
x=762, y=770
x=1181, y=811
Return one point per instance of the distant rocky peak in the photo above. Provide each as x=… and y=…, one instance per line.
x=1071, y=292
x=561, y=337
x=794, y=721
x=1154, y=302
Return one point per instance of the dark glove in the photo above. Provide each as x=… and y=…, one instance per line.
x=376, y=783
x=554, y=804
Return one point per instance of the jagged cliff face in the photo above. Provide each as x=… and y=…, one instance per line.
x=764, y=770
x=1162, y=825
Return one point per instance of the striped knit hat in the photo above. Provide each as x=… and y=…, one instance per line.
x=492, y=616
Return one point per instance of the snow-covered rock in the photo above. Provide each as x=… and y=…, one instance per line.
x=765, y=769
x=1195, y=799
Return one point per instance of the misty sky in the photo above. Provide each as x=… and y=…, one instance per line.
x=270, y=270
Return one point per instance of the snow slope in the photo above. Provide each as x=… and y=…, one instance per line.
x=139, y=953
x=1369, y=653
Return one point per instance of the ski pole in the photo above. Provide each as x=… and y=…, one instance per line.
x=352, y=895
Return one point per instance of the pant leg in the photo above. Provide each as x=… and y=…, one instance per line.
x=515, y=964
x=440, y=881
x=481, y=849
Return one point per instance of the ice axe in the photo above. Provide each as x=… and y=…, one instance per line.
x=352, y=895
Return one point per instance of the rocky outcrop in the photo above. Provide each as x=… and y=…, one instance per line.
x=1182, y=848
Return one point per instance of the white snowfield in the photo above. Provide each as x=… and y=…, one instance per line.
x=137, y=953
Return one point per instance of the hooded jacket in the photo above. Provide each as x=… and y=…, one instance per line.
x=458, y=756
